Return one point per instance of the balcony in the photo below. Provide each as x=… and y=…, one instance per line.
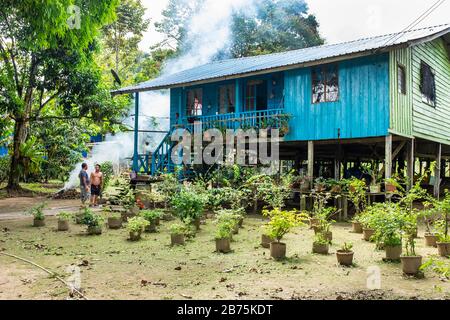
x=264, y=119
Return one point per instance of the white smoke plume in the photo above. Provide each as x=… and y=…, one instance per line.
x=209, y=31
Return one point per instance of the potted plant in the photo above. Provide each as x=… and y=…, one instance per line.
x=443, y=242
x=266, y=239
x=320, y=185
x=345, y=254
x=115, y=221
x=63, y=221
x=430, y=216
x=321, y=245
x=387, y=220
x=411, y=262
x=369, y=220
x=136, y=226
x=38, y=215
x=320, y=210
x=189, y=206
x=93, y=222
x=230, y=217
x=177, y=234
x=282, y=222
x=391, y=185
x=152, y=216
x=357, y=195
x=334, y=186
x=223, y=236
x=375, y=174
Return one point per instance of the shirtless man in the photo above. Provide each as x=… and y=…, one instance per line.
x=96, y=185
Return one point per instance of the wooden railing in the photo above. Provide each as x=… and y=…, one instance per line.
x=273, y=118
x=160, y=161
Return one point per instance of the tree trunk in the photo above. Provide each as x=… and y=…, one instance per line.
x=20, y=134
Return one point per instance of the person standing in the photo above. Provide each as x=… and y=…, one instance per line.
x=85, y=183
x=96, y=185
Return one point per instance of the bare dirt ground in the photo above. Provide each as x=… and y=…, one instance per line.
x=16, y=208
x=113, y=268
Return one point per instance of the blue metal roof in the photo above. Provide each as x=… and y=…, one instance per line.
x=234, y=68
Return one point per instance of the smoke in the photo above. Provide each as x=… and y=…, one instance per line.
x=209, y=31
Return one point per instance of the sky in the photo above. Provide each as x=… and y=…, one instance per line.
x=342, y=20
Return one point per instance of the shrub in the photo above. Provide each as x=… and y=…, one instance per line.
x=282, y=222
x=387, y=221
x=224, y=230
x=38, y=211
x=178, y=229
x=137, y=225
x=151, y=215
x=320, y=239
x=188, y=206
x=357, y=194
x=91, y=219
x=65, y=216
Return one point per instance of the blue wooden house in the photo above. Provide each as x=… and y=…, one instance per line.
x=385, y=98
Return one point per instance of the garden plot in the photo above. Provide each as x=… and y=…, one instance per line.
x=112, y=267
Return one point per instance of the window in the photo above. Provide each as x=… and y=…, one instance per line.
x=256, y=95
x=227, y=97
x=401, y=74
x=194, y=102
x=325, y=84
x=427, y=84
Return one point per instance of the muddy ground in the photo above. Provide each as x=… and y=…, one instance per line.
x=113, y=268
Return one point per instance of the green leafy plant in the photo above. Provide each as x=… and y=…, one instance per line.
x=65, y=216
x=347, y=247
x=441, y=267
x=224, y=230
x=108, y=173
x=151, y=215
x=115, y=215
x=137, y=225
x=320, y=239
x=178, y=229
x=38, y=211
x=387, y=221
x=282, y=222
x=357, y=194
x=188, y=205
x=92, y=219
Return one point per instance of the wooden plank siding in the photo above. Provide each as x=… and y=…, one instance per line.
x=401, y=104
x=361, y=111
x=432, y=123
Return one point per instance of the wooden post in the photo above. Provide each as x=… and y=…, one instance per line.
x=388, y=157
x=311, y=162
x=136, y=133
x=410, y=163
x=437, y=171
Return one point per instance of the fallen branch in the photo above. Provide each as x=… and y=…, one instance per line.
x=47, y=271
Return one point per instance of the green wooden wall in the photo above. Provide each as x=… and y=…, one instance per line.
x=432, y=122
x=401, y=104
x=410, y=116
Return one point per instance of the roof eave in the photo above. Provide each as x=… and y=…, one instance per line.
x=288, y=67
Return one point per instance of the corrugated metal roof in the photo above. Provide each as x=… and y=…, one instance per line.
x=234, y=68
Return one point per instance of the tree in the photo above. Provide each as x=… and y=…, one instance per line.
x=274, y=26
x=122, y=37
x=270, y=26
x=175, y=22
x=47, y=69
